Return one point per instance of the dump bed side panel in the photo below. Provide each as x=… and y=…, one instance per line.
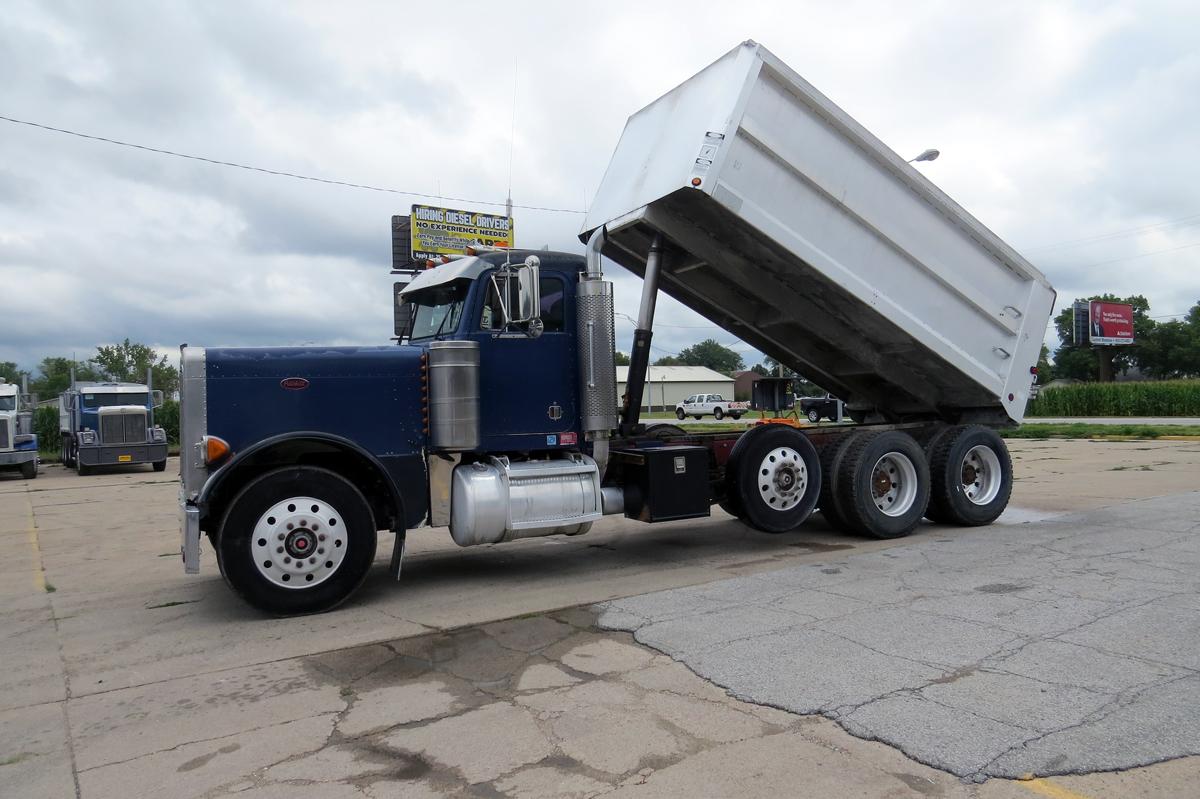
x=811, y=240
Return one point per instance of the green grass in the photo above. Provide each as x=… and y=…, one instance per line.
x=50, y=589
x=1149, y=398
x=1084, y=430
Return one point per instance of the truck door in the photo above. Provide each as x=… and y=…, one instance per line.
x=527, y=386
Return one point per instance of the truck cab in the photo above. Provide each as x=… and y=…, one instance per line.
x=110, y=424
x=18, y=443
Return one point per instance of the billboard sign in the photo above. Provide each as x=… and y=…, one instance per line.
x=449, y=231
x=1110, y=323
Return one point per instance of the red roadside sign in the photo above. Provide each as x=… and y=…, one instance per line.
x=1110, y=323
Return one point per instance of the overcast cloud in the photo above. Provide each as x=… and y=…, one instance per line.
x=1056, y=122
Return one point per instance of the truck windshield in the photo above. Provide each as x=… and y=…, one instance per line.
x=8, y=403
x=93, y=401
x=437, y=310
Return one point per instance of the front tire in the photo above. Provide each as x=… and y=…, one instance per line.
x=160, y=466
x=29, y=470
x=971, y=476
x=679, y=414
x=775, y=475
x=295, y=540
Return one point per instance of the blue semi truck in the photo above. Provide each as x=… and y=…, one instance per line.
x=110, y=424
x=746, y=195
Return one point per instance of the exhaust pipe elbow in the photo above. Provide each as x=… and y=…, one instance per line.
x=595, y=244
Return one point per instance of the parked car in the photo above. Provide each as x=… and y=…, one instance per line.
x=827, y=406
x=700, y=405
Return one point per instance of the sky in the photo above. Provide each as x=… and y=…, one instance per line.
x=1069, y=129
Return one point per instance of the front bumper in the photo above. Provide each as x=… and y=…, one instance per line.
x=189, y=530
x=121, y=454
x=18, y=457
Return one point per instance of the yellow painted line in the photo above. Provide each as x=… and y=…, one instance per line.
x=1050, y=789
x=39, y=573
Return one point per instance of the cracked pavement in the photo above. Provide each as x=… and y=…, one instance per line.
x=121, y=677
x=1070, y=645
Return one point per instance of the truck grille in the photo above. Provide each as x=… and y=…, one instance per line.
x=5, y=434
x=123, y=428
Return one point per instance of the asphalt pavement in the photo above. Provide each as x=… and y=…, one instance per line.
x=1063, y=646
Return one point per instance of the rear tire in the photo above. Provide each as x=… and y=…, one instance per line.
x=29, y=470
x=661, y=432
x=883, y=484
x=971, y=476
x=718, y=414
x=735, y=416
x=775, y=475
x=245, y=550
x=831, y=461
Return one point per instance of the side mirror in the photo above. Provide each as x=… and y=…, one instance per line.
x=402, y=312
x=156, y=396
x=529, y=296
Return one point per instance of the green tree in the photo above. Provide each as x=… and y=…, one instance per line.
x=1172, y=349
x=622, y=359
x=1043, y=366
x=669, y=360
x=1071, y=361
x=10, y=372
x=127, y=362
x=713, y=355
x=54, y=376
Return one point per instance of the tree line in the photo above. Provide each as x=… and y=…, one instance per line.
x=126, y=362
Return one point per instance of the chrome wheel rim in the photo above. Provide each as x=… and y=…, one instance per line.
x=299, y=542
x=894, y=484
x=782, y=479
x=980, y=475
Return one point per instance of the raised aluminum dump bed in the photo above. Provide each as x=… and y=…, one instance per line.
x=792, y=227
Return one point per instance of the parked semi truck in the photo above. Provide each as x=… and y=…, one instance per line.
x=749, y=197
x=111, y=424
x=18, y=442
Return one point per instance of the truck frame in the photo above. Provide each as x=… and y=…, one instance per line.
x=110, y=424
x=748, y=196
x=18, y=442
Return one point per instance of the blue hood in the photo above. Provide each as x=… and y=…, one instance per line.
x=370, y=395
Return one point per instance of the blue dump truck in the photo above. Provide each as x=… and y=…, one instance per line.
x=748, y=196
x=110, y=424
x=18, y=442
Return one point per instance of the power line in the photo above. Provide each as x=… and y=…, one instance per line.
x=280, y=173
x=1190, y=219
x=1143, y=255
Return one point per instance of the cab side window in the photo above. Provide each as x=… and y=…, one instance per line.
x=554, y=294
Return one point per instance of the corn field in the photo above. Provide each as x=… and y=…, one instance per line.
x=1161, y=398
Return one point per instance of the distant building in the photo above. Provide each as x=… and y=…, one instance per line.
x=743, y=384
x=667, y=385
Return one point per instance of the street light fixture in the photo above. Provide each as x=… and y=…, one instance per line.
x=928, y=155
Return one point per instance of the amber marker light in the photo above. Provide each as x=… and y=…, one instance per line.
x=216, y=449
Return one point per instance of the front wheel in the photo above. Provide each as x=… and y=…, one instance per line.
x=160, y=466
x=971, y=475
x=29, y=469
x=296, y=540
x=679, y=414
x=814, y=415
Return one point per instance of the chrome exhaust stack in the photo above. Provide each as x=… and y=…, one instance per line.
x=597, y=347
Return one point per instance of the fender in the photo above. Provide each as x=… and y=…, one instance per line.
x=217, y=478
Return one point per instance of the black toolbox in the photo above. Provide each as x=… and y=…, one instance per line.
x=664, y=483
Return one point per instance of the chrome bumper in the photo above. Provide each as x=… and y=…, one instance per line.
x=189, y=529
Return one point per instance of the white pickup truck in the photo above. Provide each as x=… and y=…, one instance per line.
x=699, y=405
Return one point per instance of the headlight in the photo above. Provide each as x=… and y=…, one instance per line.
x=159, y=435
x=87, y=437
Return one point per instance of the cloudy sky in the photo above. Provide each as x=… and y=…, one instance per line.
x=1071, y=129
